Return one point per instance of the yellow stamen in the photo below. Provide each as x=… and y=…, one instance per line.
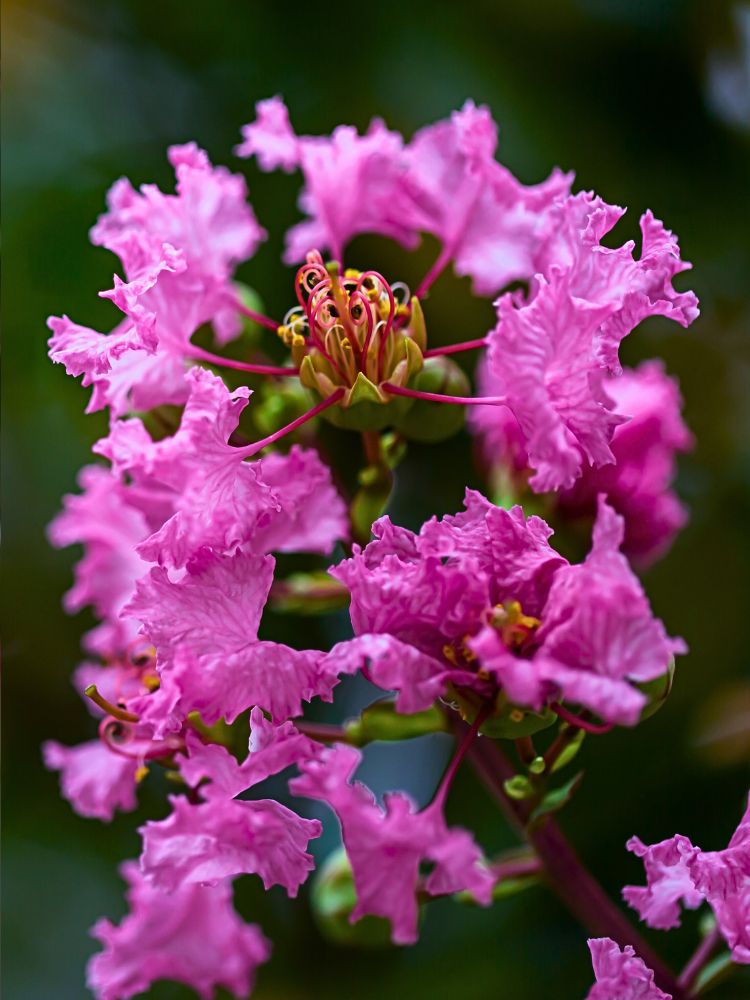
x=140, y=774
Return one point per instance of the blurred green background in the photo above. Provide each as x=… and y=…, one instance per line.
x=649, y=101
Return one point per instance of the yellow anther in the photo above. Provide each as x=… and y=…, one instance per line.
x=516, y=715
x=140, y=774
x=297, y=340
x=450, y=654
x=345, y=344
x=151, y=682
x=281, y=331
x=402, y=309
x=468, y=653
x=352, y=272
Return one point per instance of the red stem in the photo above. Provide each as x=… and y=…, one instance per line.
x=563, y=870
x=698, y=959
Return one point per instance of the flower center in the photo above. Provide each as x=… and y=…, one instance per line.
x=354, y=332
x=513, y=626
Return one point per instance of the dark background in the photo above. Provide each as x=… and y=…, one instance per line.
x=650, y=103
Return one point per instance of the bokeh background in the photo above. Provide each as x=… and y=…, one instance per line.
x=649, y=101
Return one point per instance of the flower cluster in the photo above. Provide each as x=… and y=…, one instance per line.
x=474, y=624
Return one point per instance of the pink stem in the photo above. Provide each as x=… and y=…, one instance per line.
x=468, y=345
x=433, y=274
x=468, y=738
x=258, y=318
x=216, y=359
x=436, y=397
x=699, y=958
x=256, y=446
x=578, y=722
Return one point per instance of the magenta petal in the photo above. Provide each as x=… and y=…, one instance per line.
x=191, y=935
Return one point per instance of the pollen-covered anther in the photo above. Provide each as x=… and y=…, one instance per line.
x=514, y=626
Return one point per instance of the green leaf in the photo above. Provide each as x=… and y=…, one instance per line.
x=556, y=798
x=512, y=722
x=712, y=974
x=381, y=721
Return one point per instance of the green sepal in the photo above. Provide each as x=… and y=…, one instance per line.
x=570, y=751
x=314, y=593
x=556, y=798
x=364, y=391
x=417, y=327
x=657, y=691
x=381, y=721
x=427, y=421
x=508, y=722
x=333, y=897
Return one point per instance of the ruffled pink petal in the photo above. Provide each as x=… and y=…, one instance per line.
x=191, y=935
x=203, y=844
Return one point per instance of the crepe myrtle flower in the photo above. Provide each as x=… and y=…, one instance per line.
x=479, y=604
x=192, y=936
x=680, y=874
x=474, y=625
x=638, y=484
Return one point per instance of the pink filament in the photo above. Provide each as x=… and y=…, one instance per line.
x=578, y=722
x=256, y=446
x=436, y=397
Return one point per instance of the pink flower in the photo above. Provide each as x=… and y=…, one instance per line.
x=204, y=626
x=549, y=354
x=482, y=601
x=349, y=179
x=109, y=527
x=192, y=935
x=677, y=873
x=208, y=219
x=620, y=974
x=222, y=836
x=220, y=500
x=140, y=363
x=95, y=780
x=387, y=845
x=446, y=182
x=203, y=844
x=644, y=449
x=488, y=223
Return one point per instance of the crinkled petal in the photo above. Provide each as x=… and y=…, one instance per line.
x=620, y=974
x=191, y=935
x=95, y=780
x=203, y=844
x=386, y=845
